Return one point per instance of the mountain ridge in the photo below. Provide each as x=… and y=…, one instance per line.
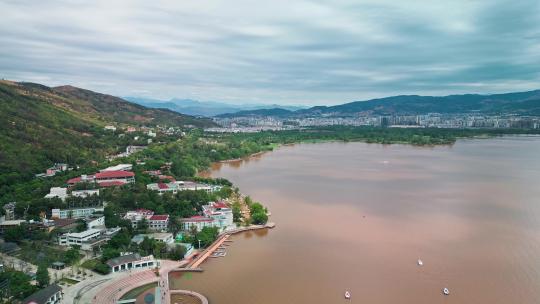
x=520, y=103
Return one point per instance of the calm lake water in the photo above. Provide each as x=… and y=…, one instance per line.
x=355, y=216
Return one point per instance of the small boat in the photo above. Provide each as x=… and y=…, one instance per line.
x=347, y=295
x=420, y=263
x=446, y=291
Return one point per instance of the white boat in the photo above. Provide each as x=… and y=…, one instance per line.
x=420, y=263
x=446, y=291
x=347, y=295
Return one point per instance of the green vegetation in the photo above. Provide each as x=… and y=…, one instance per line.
x=38, y=252
x=19, y=286
x=42, y=275
x=207, y=236
x=96, y=265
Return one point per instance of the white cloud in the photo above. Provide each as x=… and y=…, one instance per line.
x=279, y=51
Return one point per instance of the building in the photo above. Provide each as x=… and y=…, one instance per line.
x=51, y=294
x=125, y=177
x=95, y=222
x=155, y=222
x=85, y=193
x=177, y=186
x=163, y=237
x=158, y=222
x=216, y=214
x=78, y=238
x=59, y=192
x=9, y=210
x=131, y=261
x=197, y=221
x=221, y=213
x=110, y=128
x=88, y=239
x=134, y=149
x=75, y=213
x=10, y=224
x=120, y=167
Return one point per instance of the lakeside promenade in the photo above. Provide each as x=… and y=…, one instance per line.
x=118, y=284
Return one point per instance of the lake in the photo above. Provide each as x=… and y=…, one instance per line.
x=356, y=216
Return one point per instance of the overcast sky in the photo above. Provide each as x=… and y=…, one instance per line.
x=276, y=51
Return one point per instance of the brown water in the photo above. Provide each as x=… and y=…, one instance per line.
x=354, y=216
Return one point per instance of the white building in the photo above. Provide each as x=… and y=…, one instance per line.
x=216, y=214
x=59, y=192
x=96, y=222
x=197, y=221
x=74, y=213
x=131, y=261
x=120, y=167
x=163, y=237
x=177, y=186
x=78, y=238
x=155, y=222
x=85, y=193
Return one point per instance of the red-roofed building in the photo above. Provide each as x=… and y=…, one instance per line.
x=158, y=222
x=81, y=179
x=111, y=184
x=155, y=222
x=109, y=176
x=167, y=177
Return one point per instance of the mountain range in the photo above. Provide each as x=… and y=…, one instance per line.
x=204, y=108
x=519, y=103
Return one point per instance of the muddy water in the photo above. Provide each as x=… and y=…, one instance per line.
x=354, y=216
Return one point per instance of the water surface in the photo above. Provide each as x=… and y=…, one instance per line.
x=355, y=216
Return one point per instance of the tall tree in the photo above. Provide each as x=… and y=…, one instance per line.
x=42, y=275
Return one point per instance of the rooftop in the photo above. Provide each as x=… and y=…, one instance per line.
x=114, y=174
x=124, y=259
x=43, y=295
x=161, y=217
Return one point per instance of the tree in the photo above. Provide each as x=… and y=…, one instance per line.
x=42, y=275
x=19, y=284
x=72, y=255
x=259, y=217
x=176, y=253
x=14, y=234
x=81, y=225
x=237, y=212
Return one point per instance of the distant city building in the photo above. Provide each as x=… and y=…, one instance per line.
x=110, y=128
x=85, y=193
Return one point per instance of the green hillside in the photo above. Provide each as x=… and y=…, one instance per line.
x=42, y=125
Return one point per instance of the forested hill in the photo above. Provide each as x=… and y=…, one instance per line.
x=521, y=103
x=42, y=125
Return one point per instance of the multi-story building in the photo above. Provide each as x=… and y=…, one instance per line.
x=155, y=222
x=75, y=213
x=78, y=238
x=177, y=186
x=216, y=214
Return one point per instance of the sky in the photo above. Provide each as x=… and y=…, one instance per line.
x=280, y=51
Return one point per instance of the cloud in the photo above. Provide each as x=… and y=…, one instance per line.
x=311, y=52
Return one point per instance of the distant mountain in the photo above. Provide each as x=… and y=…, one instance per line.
x=203, y=108
x=521, y=103
x=42, y=125
x=260, y=112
